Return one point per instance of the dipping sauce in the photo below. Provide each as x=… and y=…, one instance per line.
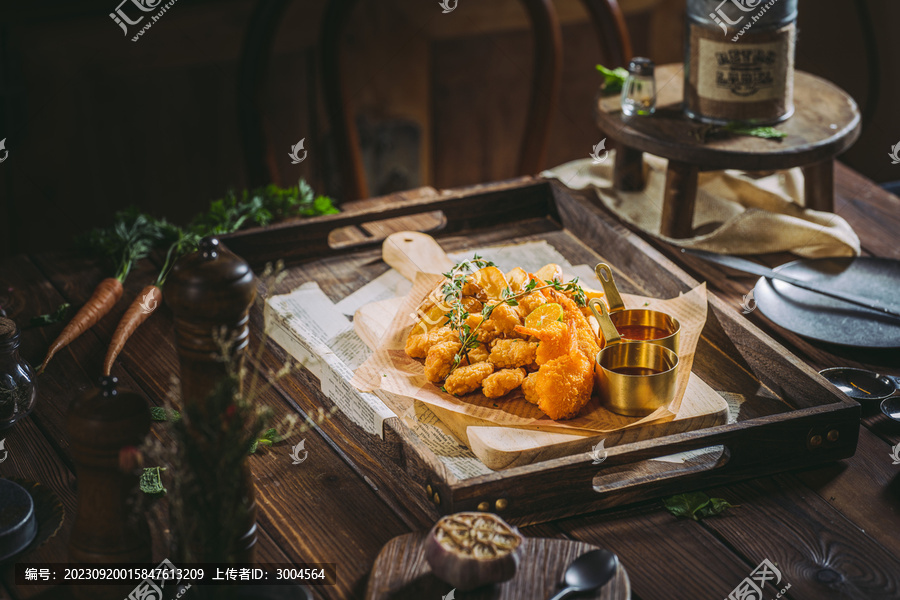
x=640, y=332
x=636, y=371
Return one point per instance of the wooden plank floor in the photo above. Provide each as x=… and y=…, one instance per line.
x=834, y=531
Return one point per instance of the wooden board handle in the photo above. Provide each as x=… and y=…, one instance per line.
x=411, y=252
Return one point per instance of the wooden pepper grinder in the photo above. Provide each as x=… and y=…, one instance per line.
x=211, y=291
x=100, y=424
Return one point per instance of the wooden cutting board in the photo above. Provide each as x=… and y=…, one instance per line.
x=505, y=447
x=401, y=573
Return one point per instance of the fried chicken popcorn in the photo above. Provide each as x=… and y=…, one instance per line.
x=479, y=330
x=467, y=379
x=513, y=353
x=440, y=360
x=502, y=382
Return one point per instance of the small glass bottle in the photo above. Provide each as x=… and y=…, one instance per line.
x=639, y=89
x=17, y=387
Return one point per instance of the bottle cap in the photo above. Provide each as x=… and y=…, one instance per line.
x=641, y=66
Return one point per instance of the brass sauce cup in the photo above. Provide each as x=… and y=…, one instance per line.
x=637, y=324
x=635, y=378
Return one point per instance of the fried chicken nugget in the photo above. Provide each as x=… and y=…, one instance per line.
x=486, y=332
x=511, y=354
x=467, y=379
x=528, y=388
x=476, y=355
x=502, y=382
x=418, y=344
x=505, y=319
x=529, y=302
x=440, y=360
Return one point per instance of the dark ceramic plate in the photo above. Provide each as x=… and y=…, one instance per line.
x=825, y=319
x=48, y=511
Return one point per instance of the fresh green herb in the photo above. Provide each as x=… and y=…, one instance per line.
x=706, y=132
x=151, y=481
x=613, y=80
x=268, y=438
x=769, y=133
x=457, y=315
x=131, y=238
x=49, y=319
x=260, y=207
x=696, y=505
x=158, y=413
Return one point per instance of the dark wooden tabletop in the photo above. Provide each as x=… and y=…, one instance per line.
x=833, y=531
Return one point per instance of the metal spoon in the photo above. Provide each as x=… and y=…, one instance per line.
x=589, y=572
x=860, y=384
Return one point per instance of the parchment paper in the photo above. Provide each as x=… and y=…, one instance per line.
x=390, y=370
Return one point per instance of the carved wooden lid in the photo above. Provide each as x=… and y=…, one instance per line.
x=210, y=284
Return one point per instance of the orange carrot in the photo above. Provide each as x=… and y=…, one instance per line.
x=139, y=311
x=100, y=303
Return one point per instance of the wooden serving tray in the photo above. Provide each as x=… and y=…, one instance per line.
x=505, y=447
x=789, y=417
x=401, y=573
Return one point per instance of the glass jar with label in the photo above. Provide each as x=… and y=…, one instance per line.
x=17, y=388
x=739, y=61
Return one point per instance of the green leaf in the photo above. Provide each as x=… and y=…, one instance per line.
x=159, y=413
x=761, y=132
x=613, y=79
x=253, y=446
x=151, y=481
x=55, y=317
x=695, y=505
x=718, y=506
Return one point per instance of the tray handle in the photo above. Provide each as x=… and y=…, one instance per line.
x=314, y=238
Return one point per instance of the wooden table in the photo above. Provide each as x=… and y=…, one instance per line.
x=825, y=123
x=833, y=531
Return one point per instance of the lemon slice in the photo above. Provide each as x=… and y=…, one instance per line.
x=543, y=315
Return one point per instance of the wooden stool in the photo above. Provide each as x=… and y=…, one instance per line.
x=825, y=123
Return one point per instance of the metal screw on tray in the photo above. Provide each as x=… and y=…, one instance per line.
x=210, y=293
x=17, y=387
x=100, y=423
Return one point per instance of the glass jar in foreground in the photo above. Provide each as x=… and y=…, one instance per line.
x=17, y=387
x=739, y=61
x=639, y=89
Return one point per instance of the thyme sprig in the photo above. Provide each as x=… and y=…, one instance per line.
x=458, y=315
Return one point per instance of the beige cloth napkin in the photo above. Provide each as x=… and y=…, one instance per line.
x=736, y=212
